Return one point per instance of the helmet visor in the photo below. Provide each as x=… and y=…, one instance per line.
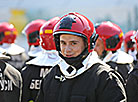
x=130, y=44
x=33, y=37
x=1, y=36
x=112, y=41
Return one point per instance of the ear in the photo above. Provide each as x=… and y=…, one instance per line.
x=57, y=42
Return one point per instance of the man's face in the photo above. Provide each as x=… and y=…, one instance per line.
x=99, y=47
x=71, y=45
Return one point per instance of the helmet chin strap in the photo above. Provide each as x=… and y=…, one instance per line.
x=114, y=51
x=104, y=53
x=76, y=61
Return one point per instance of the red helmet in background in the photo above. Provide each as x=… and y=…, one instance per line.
x=32, y=31
x=111, y=34
x=75, y=24
x=8, y=33
x=128, y=43
x=135, y=38
x=46, y=34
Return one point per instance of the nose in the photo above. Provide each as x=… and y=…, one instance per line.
x=67, y=49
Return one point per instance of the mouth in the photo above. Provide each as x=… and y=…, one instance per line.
x=69, y=56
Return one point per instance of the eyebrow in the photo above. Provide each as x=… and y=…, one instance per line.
x=69, y=41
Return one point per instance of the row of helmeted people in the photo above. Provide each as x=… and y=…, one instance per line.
x=61, y=66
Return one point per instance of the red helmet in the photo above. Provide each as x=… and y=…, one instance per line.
x=76, y=24
x=8, y=33
x=32, y=31
x=135, y=38
x=46, y=34
x=128, y=43
x=111, y=34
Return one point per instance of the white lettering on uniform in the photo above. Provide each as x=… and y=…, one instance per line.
x=2, y=84
x=44, y=72
x=35, y=84
x=9, y=85
x=0, y=73
x=6, y=85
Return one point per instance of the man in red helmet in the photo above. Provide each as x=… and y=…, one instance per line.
x=79, y=76
x=31, y=31
x=17, y=54
x=129, y=45
x=132, y=80
x=10, y=81
x=37, y=68
x=111, y=38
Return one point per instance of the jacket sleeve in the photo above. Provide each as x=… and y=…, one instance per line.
x=14, y=75
x=2, y=66
x=110, y=88
x=40, y=95
x=132, y=86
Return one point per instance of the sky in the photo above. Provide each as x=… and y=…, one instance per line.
x=65, y=3
x=91, y=8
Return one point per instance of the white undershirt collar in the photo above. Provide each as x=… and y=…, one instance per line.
x=91, y=59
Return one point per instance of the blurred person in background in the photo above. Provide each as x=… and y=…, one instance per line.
x=10, y=81
x=79, y=76
x=40, y=66
x=17, y=54
x=132, y=81
x=129, y=45
x=31, y=31
x=108, y=47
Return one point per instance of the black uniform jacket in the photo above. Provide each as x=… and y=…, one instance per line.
x=32, y=76
x=123, y=69
x=97, y=84
x=10, y=83
x=17, y=61
x=132, y=85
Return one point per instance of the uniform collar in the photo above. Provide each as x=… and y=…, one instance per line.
x=12, y=49
x=133, y=53
x=91, y=59
x=45, y=58
x=34, y=51
x=119, y=56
